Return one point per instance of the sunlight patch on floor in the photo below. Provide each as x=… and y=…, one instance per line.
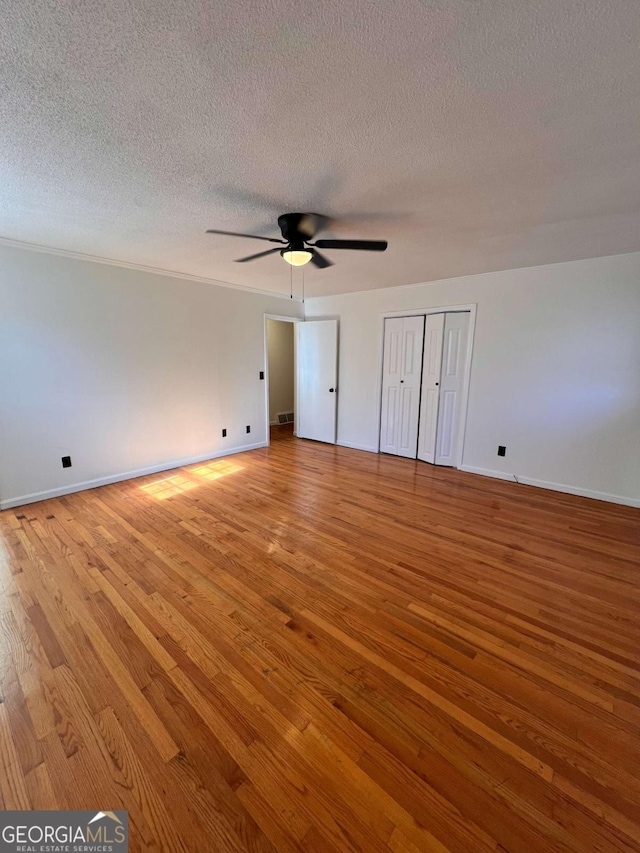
x=215, y=470
x=169, y=486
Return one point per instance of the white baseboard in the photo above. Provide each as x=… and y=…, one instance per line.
x=8, y=503
x=555, y=487
x=22, y=500
x=487, y=472
x=357, y=446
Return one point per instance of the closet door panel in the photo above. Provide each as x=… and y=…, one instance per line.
x=401, y=377
x=433, y=336
x=412, y=346
x=391, y=376
x=454, y=356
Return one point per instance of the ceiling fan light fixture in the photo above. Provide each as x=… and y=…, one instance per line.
x=296, y=257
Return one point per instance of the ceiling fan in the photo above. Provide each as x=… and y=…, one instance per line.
x=298, y=229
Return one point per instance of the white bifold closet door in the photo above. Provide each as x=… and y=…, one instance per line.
x=428, y=429
x=445, y=358
x=401, y=373
x=452, y=372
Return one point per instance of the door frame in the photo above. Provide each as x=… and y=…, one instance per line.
x=472, y=308
x=282, y=319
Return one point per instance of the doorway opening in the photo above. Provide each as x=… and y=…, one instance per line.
x=426, y=365
x=301, y=376
x=280, y=361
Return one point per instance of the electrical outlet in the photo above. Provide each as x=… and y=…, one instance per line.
x=502, y=450
x=248, y=428
x=66, y=462
x=224, y=433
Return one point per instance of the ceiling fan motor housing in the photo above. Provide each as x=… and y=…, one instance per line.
x=296, y=246
x=298, y=227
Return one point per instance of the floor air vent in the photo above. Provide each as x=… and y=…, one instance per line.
x=285, y=417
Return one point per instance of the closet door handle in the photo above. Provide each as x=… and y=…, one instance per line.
x=437, y=383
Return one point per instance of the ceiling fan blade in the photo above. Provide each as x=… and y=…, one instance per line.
x=320, y=261
x=311, y=223
x=252, y=236
x=248, y=198
x=253, y=257
x=358, y=245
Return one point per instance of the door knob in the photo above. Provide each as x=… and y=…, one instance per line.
x=402, y=381
x=331, y=390
x=437, y=383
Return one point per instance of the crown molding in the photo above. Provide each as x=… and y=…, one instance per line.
x=96, y=259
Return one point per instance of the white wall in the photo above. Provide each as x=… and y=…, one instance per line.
x=122, y=370
x=555, y=374
x=281, y=367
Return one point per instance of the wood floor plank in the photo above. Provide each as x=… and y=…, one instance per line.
x=12, y=782
x=42, y=793
x=312, y=648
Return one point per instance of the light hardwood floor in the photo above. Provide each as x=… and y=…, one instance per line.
x=313, y=648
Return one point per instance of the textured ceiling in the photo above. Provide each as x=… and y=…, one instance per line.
x=474, y=135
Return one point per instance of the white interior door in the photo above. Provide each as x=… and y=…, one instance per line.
x=317, y=379
x=401, y=374
x=433, y=334
x=454, y=357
